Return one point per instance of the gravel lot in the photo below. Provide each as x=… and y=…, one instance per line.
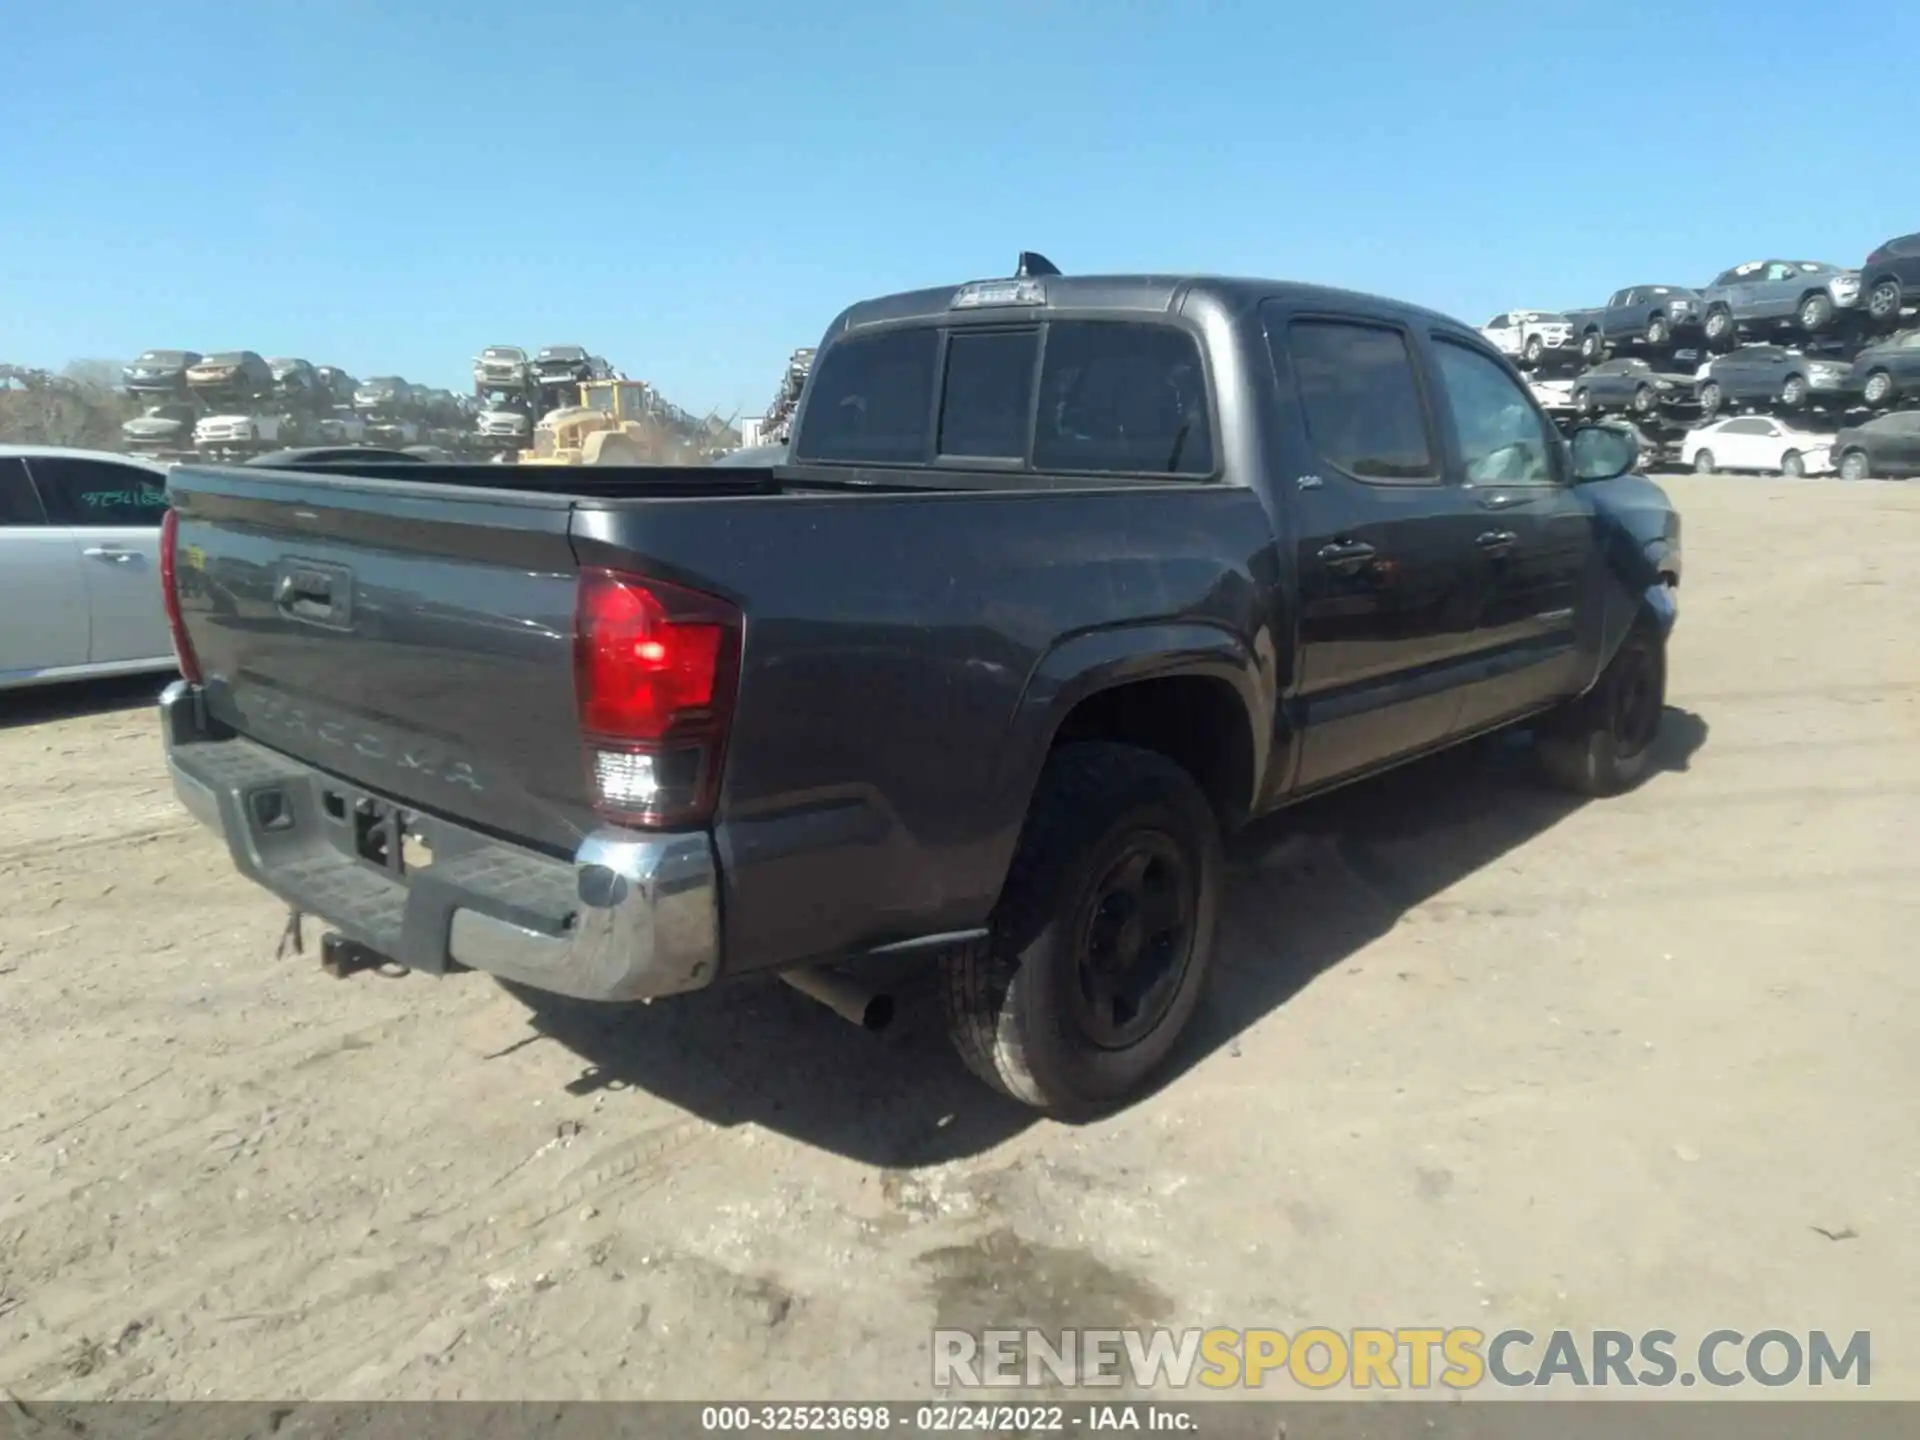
x=1476, y=1056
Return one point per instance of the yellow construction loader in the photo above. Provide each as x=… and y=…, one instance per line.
x=612, y=425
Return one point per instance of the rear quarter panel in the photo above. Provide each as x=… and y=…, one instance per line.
x=906, y=661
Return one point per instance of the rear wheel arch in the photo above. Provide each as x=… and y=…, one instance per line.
x=1200, y=721
x=1094, y=684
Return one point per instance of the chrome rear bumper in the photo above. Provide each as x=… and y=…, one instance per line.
x=633, y=915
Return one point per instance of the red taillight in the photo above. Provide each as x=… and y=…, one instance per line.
x=170, y=595
x=655, y=669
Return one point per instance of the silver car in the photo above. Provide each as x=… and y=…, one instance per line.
x=80, y=565
x=1762, y=294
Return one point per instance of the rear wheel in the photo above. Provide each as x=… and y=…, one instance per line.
x=1099, y=946
x=1792, y=466
x=1854, y=466
x=1879, y=388
x=1643, y=400
x=1703, y=462
x=1602, y=743
x=1793, y=394
x=1816, y=312
x=1710, y=398
x=1883, y=301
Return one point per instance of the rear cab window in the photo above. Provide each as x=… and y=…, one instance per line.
x=872, y=401
x=1073, y=396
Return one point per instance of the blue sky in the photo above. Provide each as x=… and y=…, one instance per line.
x=693, y=190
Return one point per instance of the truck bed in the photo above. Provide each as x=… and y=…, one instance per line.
x=900, y=643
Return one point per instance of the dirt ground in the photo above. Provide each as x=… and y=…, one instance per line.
x=1475, y=1056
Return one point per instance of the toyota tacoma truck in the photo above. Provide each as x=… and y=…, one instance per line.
x=1062, y=580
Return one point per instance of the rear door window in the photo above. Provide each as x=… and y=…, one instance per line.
x=1122, y=397
x=100, y=493
x=1361, y=399
x=989, y=393
x=19, y=505
x=872, y=400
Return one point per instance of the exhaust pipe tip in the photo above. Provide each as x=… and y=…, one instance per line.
x=871, y=1010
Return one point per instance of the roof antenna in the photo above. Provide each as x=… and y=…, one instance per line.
x=1033, y=264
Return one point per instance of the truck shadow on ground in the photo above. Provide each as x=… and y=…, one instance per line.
x=73, y=699
x=1307, y=889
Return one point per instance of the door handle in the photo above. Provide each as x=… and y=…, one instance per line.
x=1497, y=542
x=1346, y=556
x=108, y=552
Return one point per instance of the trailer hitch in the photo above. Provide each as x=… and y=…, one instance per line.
x=341, y=957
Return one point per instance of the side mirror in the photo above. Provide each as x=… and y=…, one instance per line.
x=1603, y=452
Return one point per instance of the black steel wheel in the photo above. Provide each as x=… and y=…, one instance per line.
x=1098, y=950
x=1133, y=941
x=1602, y=743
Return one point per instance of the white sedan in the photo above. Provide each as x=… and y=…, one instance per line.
x=80, y=565
x=1757, y=442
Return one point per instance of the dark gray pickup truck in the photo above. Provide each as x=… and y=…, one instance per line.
x=1063, y=579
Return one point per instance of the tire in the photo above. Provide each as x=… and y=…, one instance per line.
x=1583, y=400
x=1710, y=397
x=1658, y=331
x=1792, y=466
x=1815, y=312
x=1884, y=301
x=1719, y=326
x=1793, y=393
x=1854, y=466
x=1879, y=388
x=1602, y=743
x=1703, y=462
x=1104, y=819
x=1533, y=350
x=1644, y=400
x=1592, y=348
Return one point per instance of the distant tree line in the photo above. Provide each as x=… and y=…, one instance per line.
x=79, y=405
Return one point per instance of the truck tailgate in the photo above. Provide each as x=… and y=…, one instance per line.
x=414, y=639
